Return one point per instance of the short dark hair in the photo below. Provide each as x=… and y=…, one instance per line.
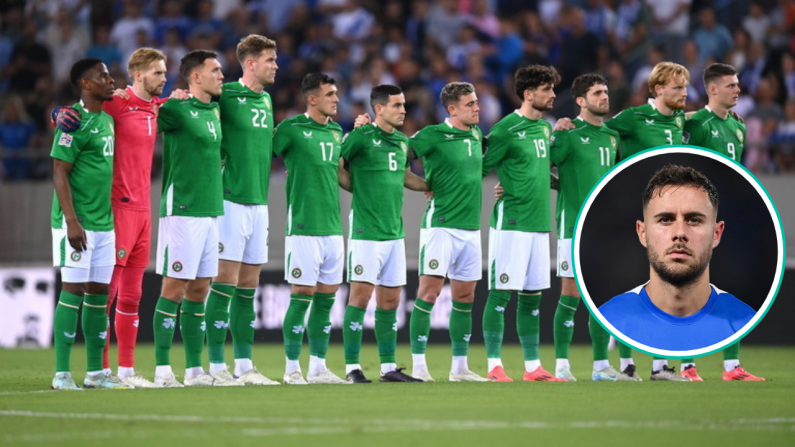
x=193, y=60
x=533, y=76
x=313, y=81
x=453, y=91
x=584, y=82
x=717, y=70
x=675, y=175
x=381, y=93
x=80, y=68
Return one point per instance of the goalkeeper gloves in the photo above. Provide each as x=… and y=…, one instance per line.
x=67, y=119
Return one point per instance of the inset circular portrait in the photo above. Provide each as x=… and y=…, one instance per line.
x=678, y=252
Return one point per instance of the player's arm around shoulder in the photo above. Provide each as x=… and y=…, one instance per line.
x=495, y=146
x=168, y=118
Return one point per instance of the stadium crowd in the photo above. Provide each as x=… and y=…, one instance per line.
x=420, y=45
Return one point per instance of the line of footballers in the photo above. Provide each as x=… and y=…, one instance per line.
x=213, y=227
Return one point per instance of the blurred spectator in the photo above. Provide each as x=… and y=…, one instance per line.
x=754, y=68
x=600, y=19
x=504, y=56
x=713, y=40
x=619, y=90
x=756, y=23
x=45, y=11
x=462, y=47
x=483, y=20
x=781, y=34
x=671, y=23
x=352, y=22
x=68, y=43
x=579, y=49
x=417, y=26
x=783, y=140
x=767, y=111
x=123, y=33
x=29, y=61
x=444, y=21
x=101, y=48
x=174, y=51
x=641, y=80
x=16, y=130
x=788, y=75
x=275, y=14
x=172, y=17
x=738, y=56
x=222, y=8
x=206, y=31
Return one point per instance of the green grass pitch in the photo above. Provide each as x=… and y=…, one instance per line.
x=434, y=414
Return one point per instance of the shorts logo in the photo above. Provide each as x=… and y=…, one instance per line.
x=122, y=253
x=177, y=266
x=504, y=278
x=434, y=264
x=76, y=256
x=564, y=266
x=358, y=270
x=296, y=273
x=220, y=247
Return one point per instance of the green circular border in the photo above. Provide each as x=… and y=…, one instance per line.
x=781, y=265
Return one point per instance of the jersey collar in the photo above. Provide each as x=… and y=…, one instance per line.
x=691, y=319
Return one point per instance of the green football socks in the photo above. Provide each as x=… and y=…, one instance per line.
x=95, y=329
x=352, y=328
x=563, y=325
x=420, y=326
x=65, y=329
x=528, y=323
x=600, y=339
x=241, y=322
x=164, y=324
x=318, y=328
x=386, y=334
x=217, y=319
x=494, y=322
x=191, y=326
x=293, y=329
x=460, y=327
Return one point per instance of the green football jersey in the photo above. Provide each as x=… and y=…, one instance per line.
x=247, y=146
x=191, y=159
x=725, y=136
x=453, y=160
x=377, y=162
x=519, y=148
x=311, y=153
x=90, y=151
x=644, y=127
x=583, y=155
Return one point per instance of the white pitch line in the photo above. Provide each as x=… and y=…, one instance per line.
x=14, y=393
x=333, y=425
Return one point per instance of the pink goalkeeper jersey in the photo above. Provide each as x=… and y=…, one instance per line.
x=136, y=130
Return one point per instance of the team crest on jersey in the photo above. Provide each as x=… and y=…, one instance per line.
x=177, y=266
x=504, y=278
x=404, y=147
x=296, y=273
x=267, y=102
x=65, y=140
x=740, y=135
x=434, y=264
x=475, y=134
x=220, y=247
x=613, y=142
x=564, y=266
x=217, y=113
x=122, y=253
x=76, y=256
x=358, y=270
x=337, y=136
x=546, y=132
x=678, y=122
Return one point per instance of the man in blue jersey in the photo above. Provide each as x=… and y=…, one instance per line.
x=678, y=309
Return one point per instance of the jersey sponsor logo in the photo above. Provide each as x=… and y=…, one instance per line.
x=564, y=266
x=76, y=256
x=586, y=140
x=377, y=143
x=176, y=266
x=356, y=326
x=649, y=122
x=194, y=114
x=121, y=253
x=715, y=134
x=241, y=100
x=337, y=136
x=358, y=270
x=522, y=135
x=307, y=134
x=434, y=264
x=65, y=140
x=220, y=247
x=296, y=273
x=678, y=121
x=504, y=278
x=740, y=135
